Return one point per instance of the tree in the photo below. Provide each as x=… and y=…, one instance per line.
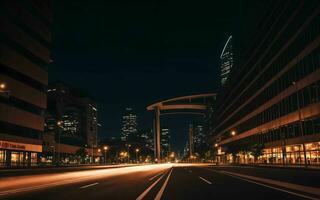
x=234, y=150
x=81, y=154
x=256, y=151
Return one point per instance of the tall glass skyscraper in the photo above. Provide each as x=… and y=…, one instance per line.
x=226, y=60
x=165, y=141
x=129, y=124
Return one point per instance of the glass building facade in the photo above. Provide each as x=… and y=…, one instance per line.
x=226, y=60
x=129, y=124
x=274, y=100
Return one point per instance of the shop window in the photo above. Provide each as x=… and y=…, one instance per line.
x=2, y=157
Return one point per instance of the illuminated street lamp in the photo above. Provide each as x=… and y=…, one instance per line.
x=3, y=86
x=105, y=148
x=172, y=155
x=99, y=150
x=3, y=90
x=216, y=145
x=59, y=125
x=137, y=151
x=233, y=133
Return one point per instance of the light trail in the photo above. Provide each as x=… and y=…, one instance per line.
x=13, y=185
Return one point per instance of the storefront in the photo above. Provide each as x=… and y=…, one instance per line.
x=293, y=154
x=18, y=154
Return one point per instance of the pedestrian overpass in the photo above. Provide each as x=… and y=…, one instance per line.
x=192, y=104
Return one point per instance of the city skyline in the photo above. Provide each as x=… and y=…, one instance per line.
x=161, y=74
x=159, y=100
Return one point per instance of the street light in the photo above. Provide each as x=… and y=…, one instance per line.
x=105, y=148
x=3, y=86
x=59, y=124
x=137, y=151
x=172, y=155
x=216, y=145
x=233, y=133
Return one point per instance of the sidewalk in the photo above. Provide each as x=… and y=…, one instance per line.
x=302, y=167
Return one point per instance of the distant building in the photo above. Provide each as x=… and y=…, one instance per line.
x=77, y=114
x=129, y=124
x=147, y=138
x=165, y=142
x=25, y=43
x=186, y=150
x=227, y=60
x=198, y=136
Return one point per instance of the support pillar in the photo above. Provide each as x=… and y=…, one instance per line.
x=157, y=135
x=191, y=147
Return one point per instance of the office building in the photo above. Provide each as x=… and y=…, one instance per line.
x=227, y=60
x=25, y=54
x=165, y=142
x=274, y=100
x=129, y=124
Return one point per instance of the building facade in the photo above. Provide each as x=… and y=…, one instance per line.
x=227, y=60
x=165, y=142
x=25, y=42
x=129, y=124
x=199, y=136
x=274, y=102
x=72, y=119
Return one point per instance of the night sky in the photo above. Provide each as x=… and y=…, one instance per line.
x=131, y=55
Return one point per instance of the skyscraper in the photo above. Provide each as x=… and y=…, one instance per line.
x=165, y=142
x=129, y=124
x=77, y=113
x=25, y=41
x=227, y=60
x=198, y=136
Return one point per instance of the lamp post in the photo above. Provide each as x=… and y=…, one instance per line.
x=233, y=133
x=105, y=148
x=99, y=150
x=300, y=124
x=59, y=124
x=137, y=152
x=3, y=91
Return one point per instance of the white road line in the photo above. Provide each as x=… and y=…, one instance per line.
x=205, y=180
x=159, y=195
x=143, y=194
x=150, y=179
x=275, y=188
x=85, y=186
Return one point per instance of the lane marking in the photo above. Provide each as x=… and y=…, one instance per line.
x=279, y=189
x=159, y=195
x=261, y=184
x=85, y=186
x=144, y=193
x=205, y=180
x=150, y=179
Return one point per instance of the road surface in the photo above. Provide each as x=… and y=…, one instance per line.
x=164, y=181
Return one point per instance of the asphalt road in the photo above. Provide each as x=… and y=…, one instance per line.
x=165, y=181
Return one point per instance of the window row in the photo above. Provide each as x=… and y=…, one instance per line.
x=303, y=98
x=287, y=56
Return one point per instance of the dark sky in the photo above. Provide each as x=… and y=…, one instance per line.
x=131, y=55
